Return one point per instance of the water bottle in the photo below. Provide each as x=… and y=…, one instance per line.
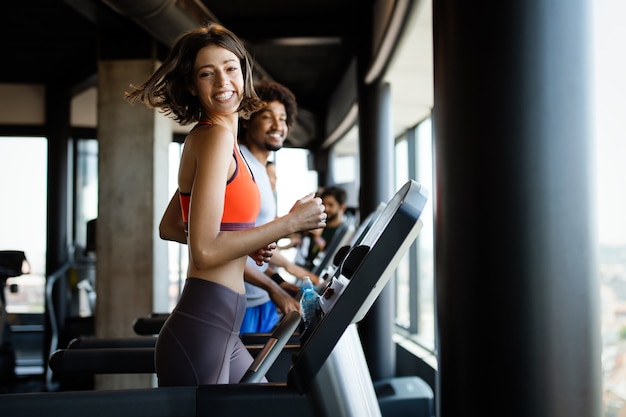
x=309, y=302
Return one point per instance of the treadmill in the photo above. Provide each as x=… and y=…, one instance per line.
x=329, y=376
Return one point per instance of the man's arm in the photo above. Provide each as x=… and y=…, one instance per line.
x=292, y=289
x=279, y=260
x=283, y=300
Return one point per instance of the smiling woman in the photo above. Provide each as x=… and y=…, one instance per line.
x=207, y=80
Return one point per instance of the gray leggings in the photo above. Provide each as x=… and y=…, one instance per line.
x=199, y=343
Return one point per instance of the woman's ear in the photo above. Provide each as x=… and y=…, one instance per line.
x=192, y=90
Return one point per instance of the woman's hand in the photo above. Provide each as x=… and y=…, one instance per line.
x=309, y=213
x=264, y=254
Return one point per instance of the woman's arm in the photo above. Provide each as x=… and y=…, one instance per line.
x=172, y=226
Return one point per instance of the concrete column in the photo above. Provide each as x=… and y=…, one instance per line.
x=132, y=195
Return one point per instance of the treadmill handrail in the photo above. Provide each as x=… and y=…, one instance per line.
x=51, y=280
x=280, y=336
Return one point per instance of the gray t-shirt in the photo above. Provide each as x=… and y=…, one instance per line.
x=256, y=296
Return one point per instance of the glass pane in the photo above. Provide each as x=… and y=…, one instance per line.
x=344, y=169
x=23, y=167
x=86, y=188
x=610, y=178
x=177, y=253
x=294, y=180
x=425, y=240
x=402, y=274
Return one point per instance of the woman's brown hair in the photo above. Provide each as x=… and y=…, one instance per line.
x=168, y=88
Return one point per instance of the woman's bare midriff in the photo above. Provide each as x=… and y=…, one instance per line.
x=229, y=275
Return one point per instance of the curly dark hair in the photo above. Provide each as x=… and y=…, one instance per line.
x=272, y=91
x=339, y=193
x=168, y=88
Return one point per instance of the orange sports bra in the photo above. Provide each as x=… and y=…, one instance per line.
x=242, y=201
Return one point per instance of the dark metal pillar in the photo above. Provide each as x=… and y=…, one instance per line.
x=517, y=302
x=58, y=99
x=376, y=156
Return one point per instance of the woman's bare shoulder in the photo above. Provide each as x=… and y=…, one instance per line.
x=210, y=137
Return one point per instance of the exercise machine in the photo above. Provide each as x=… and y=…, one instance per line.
x=329, y=376
x=13, y=263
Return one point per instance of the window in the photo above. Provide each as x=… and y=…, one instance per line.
x=294, y=180
x=177, y=253
x=24, y=166
x=415, y=311
x=85, y=215
x=610, y=176
x=86, y=189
